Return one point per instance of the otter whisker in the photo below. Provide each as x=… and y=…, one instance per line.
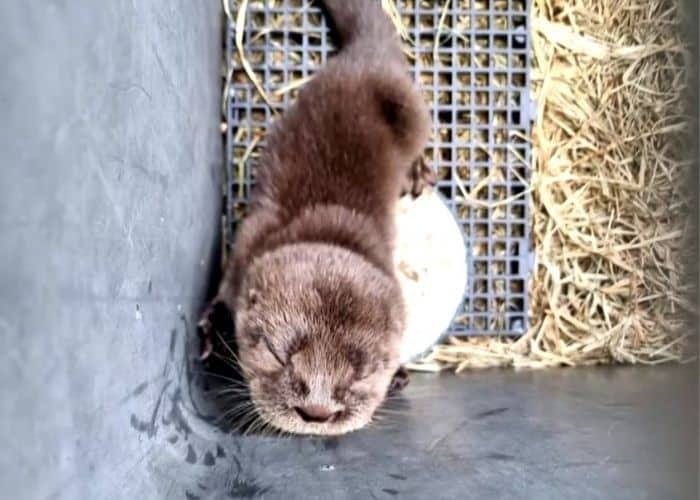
x=233, y=390
x=245, y=421
x=228, y=347
x=239, y=417
x=230, y=362
x=238, y=411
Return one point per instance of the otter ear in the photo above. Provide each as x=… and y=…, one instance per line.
x=398, y=381
x=252, y=296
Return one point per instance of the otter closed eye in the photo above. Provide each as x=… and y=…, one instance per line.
x=272, y=350
x=312, y=272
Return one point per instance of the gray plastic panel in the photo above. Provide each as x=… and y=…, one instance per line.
x=475, y=77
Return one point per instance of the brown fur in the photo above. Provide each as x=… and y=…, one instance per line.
x=318, y=311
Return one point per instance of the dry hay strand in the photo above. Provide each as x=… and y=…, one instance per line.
x=608, y=203
x=607, y=197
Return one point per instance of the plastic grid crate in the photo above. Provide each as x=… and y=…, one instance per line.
x=475, y=79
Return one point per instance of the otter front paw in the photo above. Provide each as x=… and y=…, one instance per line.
x=399, y=381
x=217, y=320
x=420, y=176
x=204, y=329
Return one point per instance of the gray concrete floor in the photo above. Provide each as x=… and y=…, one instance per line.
x=608, y=433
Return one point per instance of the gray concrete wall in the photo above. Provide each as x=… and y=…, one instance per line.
x=109, y=195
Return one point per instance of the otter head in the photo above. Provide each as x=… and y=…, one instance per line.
x=318, y=331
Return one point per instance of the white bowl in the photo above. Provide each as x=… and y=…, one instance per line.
x=431, y=265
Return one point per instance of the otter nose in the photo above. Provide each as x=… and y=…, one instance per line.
x=315, y=413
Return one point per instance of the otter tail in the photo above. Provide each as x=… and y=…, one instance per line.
x=370, y=47
x=362, y=26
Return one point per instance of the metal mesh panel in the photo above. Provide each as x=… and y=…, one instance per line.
x=471, y=60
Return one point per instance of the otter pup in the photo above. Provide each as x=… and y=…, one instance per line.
x=317, y=309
